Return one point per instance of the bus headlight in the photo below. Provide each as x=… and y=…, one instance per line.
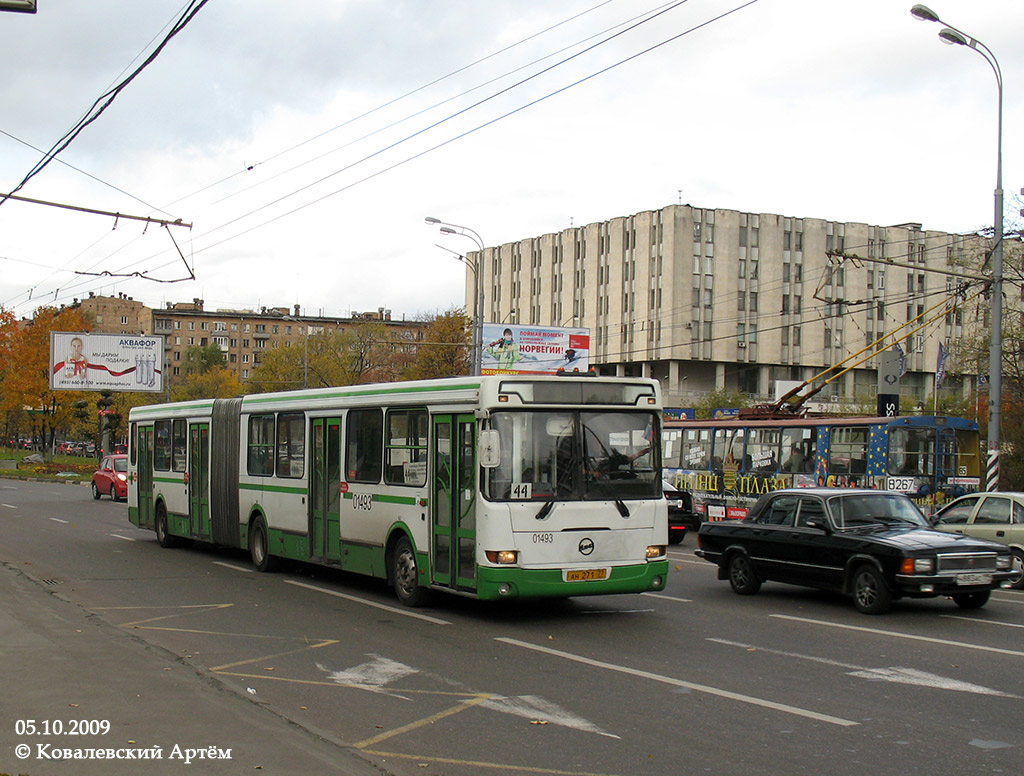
x=655, y=551
x=505, y=557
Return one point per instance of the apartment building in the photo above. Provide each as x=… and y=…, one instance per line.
x=709, y=299
x=242, y=335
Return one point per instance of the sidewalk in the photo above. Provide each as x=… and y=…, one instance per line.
x=61, y=665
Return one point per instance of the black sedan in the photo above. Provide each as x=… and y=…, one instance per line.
x=873, y=545
x=681, y=517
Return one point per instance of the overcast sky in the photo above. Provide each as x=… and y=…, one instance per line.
x=306, y=141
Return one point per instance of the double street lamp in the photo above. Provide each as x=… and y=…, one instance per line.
x=955, y=37
x=476, y=350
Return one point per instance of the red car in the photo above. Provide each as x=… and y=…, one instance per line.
x=111, y=478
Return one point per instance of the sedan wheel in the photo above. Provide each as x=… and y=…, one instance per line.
x=1018, y=566
x=95, y=492
x=113, y=492
x=741, y=575
x=870, y=595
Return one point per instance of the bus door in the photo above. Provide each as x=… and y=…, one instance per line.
x=453, y=502
x=144, y=486
x=325, y=491
x=199, y=479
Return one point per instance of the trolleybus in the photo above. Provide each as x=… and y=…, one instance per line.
x=727, y=463
x=500, y=486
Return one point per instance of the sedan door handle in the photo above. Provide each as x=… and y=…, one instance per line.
x=1000, y=533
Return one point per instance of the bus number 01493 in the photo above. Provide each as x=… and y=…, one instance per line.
x=362, y=501
x=543, y=538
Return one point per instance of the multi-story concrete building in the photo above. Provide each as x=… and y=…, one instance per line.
x=242, y=335
x=712, y=299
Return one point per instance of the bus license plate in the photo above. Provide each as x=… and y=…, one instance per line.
x=585, y=575
x=974, y=579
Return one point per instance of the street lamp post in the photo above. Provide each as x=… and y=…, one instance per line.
x=955, y=37
x=476, y=349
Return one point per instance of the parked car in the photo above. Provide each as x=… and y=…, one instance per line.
x=111, y=479
x=875, y=546
x=681, y=517
x=998, y=517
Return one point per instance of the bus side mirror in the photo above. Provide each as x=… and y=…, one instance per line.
x=489, y=448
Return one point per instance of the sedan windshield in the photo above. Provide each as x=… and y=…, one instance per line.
x=569, y=455
x=857, y=509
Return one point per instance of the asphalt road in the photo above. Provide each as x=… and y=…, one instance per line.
x=694, y=680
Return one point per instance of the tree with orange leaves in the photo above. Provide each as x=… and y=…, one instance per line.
x=25, y=395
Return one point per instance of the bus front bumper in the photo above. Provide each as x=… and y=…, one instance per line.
x=495, y=582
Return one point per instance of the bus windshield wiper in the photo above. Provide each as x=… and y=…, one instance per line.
x=545, y=510
x=621, y=506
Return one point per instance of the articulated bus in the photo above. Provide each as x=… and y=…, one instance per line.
x=501, y=486
x=726, y=464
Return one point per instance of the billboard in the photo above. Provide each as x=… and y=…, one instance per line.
x=106, y=362
x=533, y=350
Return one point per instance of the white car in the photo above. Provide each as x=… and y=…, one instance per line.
x=998, y=517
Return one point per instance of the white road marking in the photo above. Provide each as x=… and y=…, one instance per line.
x=392, y=609
x=58, y=520
x=9, y=506
x=371, y=676
x=985, y=622
x=534, y=707
x=895, y=635
x=681, y=683
x=118, y=536
x=669, y=598
x=232, y=566
x=895, y=674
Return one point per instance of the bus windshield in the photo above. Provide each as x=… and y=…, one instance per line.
x=569, y=455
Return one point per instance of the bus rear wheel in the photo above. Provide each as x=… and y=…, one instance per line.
x=259, y=547
x=163, y=536
x=405, y=574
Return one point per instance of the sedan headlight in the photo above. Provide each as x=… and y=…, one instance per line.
x=918, y=566
x=1004, y=562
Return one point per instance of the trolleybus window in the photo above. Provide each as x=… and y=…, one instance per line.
x=364, y=434
x=911, y=451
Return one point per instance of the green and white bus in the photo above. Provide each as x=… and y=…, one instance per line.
x=501, y=486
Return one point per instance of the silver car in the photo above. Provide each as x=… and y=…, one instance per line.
x=998, y=517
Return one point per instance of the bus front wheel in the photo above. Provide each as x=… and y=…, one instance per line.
x=259, y=546
x=405, y=574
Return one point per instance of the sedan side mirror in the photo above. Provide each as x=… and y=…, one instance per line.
x=820, y=523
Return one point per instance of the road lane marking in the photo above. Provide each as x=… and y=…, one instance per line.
x=986, y=622
x=896, y=635
x=356, y=599
x=118, y=536
x=58, y=520
x=669, y=598
x=9, y=506
x=896, y=674
x=232, y=566
x=681, y=683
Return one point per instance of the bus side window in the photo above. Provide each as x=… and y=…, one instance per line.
x=364, y=432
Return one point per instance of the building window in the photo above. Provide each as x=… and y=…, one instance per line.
x=124, y=320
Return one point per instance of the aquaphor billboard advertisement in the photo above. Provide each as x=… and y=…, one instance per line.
x=533, y=350
x=106, y=362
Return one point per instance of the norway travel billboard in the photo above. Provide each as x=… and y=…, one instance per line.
x=533, y=350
